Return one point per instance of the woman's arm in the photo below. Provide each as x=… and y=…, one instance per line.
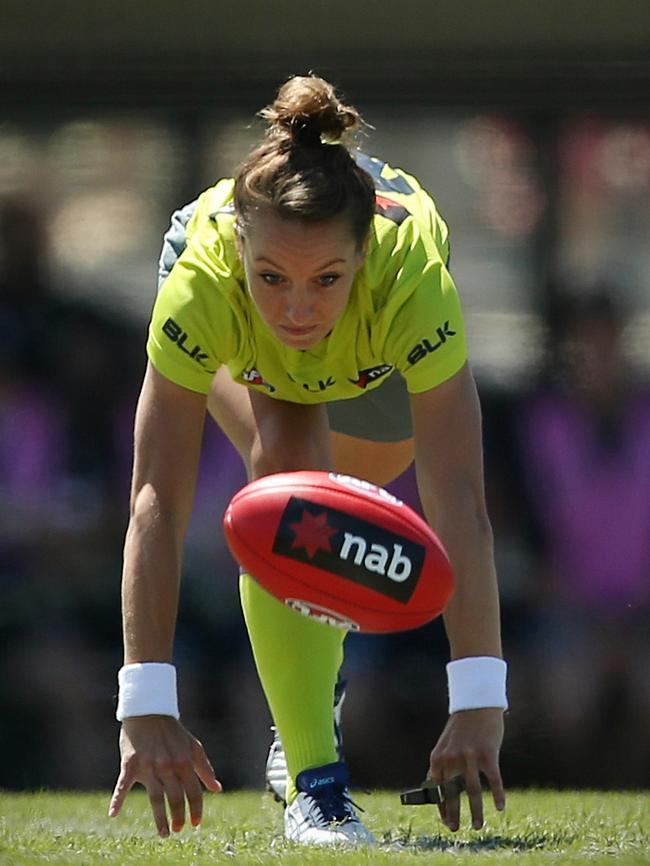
x=156, y=750
x=168, y=431
x=449, y=466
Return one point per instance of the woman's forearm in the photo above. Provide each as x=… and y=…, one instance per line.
x=472, y=617
x=150, y=582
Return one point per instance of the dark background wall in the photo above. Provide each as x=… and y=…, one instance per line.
x=549, y=54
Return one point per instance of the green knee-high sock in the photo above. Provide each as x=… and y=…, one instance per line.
x=297, y=661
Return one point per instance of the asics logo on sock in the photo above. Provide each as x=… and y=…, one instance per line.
x=316, y=783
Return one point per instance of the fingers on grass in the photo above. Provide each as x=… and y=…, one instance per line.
x=451, y=807
x=194, y=796
x=176, y=799
x=125, y=782
x=157, y=800
x=204, y=769
x=475, y=797
x=495, y=782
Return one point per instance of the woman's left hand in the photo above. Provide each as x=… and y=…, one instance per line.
x=469, y=745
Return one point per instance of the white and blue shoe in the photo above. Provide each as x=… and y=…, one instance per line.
x=323, y=812
x=276, y=762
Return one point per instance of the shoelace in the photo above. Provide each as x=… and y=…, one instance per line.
x=332, y=803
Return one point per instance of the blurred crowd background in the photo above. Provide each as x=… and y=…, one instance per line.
x=532, y=132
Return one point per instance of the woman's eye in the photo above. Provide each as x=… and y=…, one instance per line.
x=328, y=279
x=271, y=279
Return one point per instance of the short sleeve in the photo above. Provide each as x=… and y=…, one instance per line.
x=192, y=328
x=426, y=340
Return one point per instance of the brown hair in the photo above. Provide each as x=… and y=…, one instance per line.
x=303, y=168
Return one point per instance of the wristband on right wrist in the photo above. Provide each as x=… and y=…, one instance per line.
x=476, y=683
x=147, y=689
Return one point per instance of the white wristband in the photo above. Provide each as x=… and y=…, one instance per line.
x=476, y=683
x=147, y=689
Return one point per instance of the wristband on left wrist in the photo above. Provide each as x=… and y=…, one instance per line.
x=476, y=683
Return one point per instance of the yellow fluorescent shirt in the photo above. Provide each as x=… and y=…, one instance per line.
x=403, y=312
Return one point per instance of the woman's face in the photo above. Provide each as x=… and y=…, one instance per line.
x=299, y=274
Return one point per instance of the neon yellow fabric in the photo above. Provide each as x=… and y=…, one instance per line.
x=403, y=310
x=297, y=661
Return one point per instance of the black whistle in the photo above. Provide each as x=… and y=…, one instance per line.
x=431, y=793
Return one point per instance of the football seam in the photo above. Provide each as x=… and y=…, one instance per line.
x=422, y=530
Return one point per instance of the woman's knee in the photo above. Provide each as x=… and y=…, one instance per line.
x=289, y=444
x=378, y=462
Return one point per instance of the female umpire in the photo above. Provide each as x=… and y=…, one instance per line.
x=306, y=304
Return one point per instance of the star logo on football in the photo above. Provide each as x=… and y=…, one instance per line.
x=312, y=532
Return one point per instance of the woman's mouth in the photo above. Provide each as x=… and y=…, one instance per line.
x=298, y=332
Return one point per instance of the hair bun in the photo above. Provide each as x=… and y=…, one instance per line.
x=307, y=111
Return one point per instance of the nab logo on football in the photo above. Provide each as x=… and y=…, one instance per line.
x=349, y=547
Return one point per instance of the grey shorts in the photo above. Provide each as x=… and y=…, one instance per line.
x=381, y=415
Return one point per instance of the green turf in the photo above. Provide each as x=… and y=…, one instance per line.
x=246, y=828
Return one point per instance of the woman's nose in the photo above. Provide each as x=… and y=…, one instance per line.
x=299, y=308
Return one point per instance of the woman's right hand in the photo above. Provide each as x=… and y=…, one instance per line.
x=162, y=755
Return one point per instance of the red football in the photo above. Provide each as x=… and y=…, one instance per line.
x=339, y=549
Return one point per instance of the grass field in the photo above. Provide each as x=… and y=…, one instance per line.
x=246, y=828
